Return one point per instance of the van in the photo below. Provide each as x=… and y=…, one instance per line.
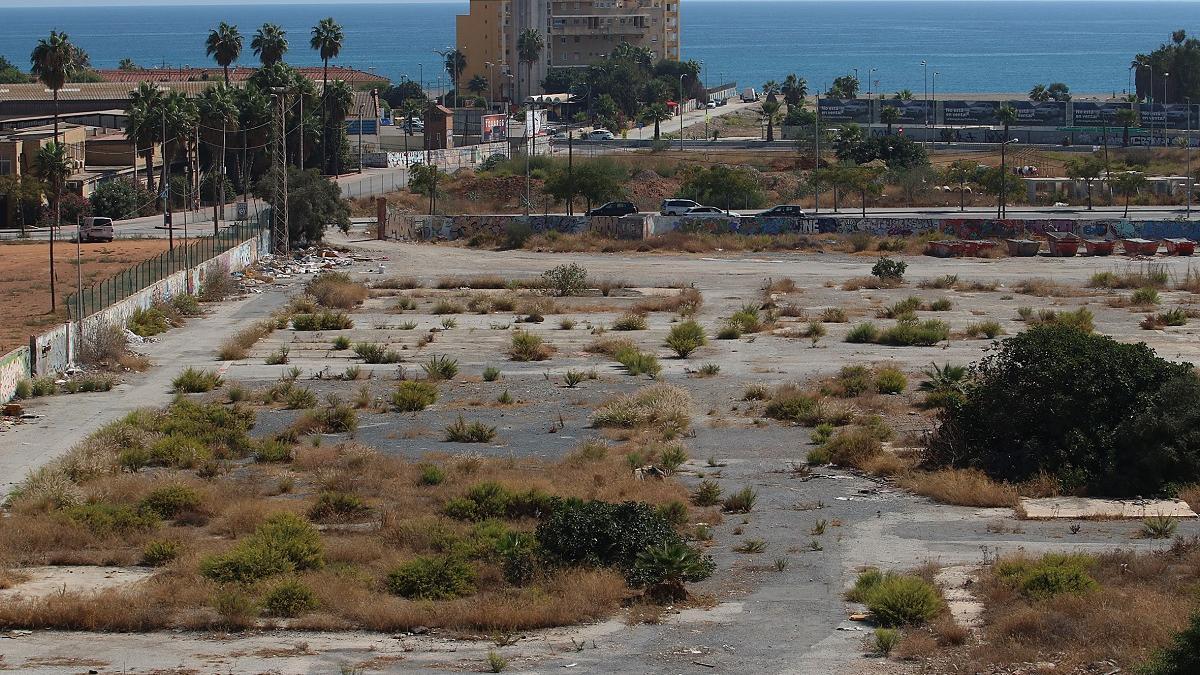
x=96, y=229
x=677, y=207
x=749, y=95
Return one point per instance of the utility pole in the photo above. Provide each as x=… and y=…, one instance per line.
x=570, y=169
x=279, y=220
x=166, y=187
x=817, y=156
x=300, y=159
x=530, y=121
x=681, y=111
x=219, y=210
x=360, y=140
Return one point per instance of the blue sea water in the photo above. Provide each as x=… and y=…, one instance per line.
x=973, y=45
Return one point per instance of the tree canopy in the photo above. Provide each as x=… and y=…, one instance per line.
x=314, y=202
x=724, y=187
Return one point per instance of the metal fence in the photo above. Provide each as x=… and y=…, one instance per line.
x=149, y=272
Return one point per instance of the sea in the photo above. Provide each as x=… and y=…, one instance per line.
x=968, y=46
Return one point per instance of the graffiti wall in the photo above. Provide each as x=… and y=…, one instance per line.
x=52, y=350
x=14, y=367
x=422, y=228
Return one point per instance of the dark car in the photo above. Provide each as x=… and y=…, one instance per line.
x=614, y=209
x=784, y=211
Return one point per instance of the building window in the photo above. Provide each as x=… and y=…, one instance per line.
x=5, y=167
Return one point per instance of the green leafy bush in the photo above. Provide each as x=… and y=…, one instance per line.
x=322, y=321
x=886, y=269
x=863, y=333
x=432, y=578
x=284, y=543
x=631, y=322
x=900, y=600
x=565, y=280
x=890, y=380
x=1110, y=418
x=528, y=346
x=793, y=405
x=148, y=322
x=489, y=500
x=686, y=338
x=601, y=533
x=431, y=474
x=708, y=493
x=414, y=395
x=440, y=367
x=910, y=332
x=159, y=552
x=664, y=569
x=1182, y=656
x=1051, y=575
x=375, y=353
x=111, y=519
x=289, y=598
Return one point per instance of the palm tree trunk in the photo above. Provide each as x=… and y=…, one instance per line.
x=325, y=118
x=962, y=196
x=150, y=168
x=57, y=211
x=226, y=69
x=656, y=127
x=1127, y=195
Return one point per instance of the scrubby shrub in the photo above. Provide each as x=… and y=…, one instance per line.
x=474, y=432
x=148, y=322
x=340, y=343
x=159, y=552
x=638, y=362
x=375, y=353
x=1110, y=418
x=195, y=381
x=1182, y=656
x=888, y=270
x=890, y=380
x=1143, y=297
x=746, y=319
x=741, y=501
x=789, y=404
x=1080, y=319
x=910, y=332
x=853, y=381
x=284, y=543
x=885, y=640
x=331, y=505
x=432, y=578
x=902, y=600
x=288, y=599
x=336, y=291
x=565, y=280
x=105, y=520
x=852, y=447
x=631, y=322
x=664, y=569
x=491, y=374
x=1051, y=575
x=414, y=395
x=686, y=338
x=988, y=329
x=601, y=533
x=431, y=474
x=528, y=346
x=169, y=501
x=660, y=406
x=708, y=493
x=273, y=450
x=863, y=333
x=322, y=321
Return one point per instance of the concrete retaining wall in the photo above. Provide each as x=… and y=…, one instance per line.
x=14, y=367
x=52, y=351
x=450, y=159
x=411, y=227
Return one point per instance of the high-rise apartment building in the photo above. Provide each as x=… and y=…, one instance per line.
x=575, y=34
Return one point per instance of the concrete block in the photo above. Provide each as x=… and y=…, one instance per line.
x=1081, y=508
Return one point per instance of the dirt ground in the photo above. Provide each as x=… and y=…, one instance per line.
x=25, y=280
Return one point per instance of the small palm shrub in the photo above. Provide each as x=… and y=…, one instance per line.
x=491, y=374
x=474, y=432
x=440, y=367
x=341, y=342
x=686, y=338
x=741, y=501
x=664, y=569
x=1159, y=527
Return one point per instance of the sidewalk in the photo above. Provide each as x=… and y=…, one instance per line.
x=67, y=419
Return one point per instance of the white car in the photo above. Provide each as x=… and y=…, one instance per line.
x=711, y=211
x=711, y=104
x=600, y=135
x=677, y=207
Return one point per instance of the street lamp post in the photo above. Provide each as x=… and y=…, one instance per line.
x=1001, y=210
x=1164, y=103
x=925, y=68
x=360, y=139
x=1189, y=157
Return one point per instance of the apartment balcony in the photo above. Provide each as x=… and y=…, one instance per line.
x=601, y=28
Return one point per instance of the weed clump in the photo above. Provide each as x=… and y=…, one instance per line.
x=195, y=381
x=284, y=543
x=528, y=346
x=896, y=600
x=414, y=396
x=686, y=338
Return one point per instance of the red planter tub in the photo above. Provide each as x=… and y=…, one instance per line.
x=1179, y=246
x=1063, y=244
x=976, y=247
x=1023, y=248
x=1139, y=247
x=947, y=248
x=1099, y=246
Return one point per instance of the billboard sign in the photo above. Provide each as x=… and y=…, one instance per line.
x=1169, y=116
x=911, y=112
x=493, y=128
x=1094, y=114
x=535, y=122
x=961, y=113
x=845, y=110
x=1040, y=113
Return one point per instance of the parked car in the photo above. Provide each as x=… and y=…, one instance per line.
x=710, y=211
x=677, y=207
x=711, y=104
x=784, y=211
x=614, y=209
x=600, y=135
x=96, y=229
x=560, y=136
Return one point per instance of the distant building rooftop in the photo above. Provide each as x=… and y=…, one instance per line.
x=350, y=76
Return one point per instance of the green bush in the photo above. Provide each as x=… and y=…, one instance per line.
x=903, y=600
x=110, y=519
x=341, y=342
x=440, y=367
x=741, y=501
x=988, y=329
x=853, y=381
x=374, y=353
x=601, y=533
x=432, y=474
x=273, y=450
x=1145, y=296
x=853, y=447
x=159, y=552
x=1048, y=576
x=1182, y=656
x=910, y=332
x=886, y=269
x=288, y=599
x=148, y=322
x=1109, y=418
x=462, y=431
x=486, y=501
x=432, y=578
x=638, y=362
x=795, y=406
x=414, y=395
x=708, y=493
x=169, y=501
x=686, y=338
x=631, y=322
x=195, y=381
x=664, y=569
x=746, y=319
x=284, y=543
x=186, y=304
x=565, y=280
x=528, y=346
x=890, y=380
x=863, y=333
x=322, y=321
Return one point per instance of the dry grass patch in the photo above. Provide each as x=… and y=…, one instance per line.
x=961, y=487
x=686, y=302
x=1043, y=288
x=659, y=406
x=237, y=347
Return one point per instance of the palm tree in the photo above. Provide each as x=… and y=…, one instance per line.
x=54, y=60
x=656, y=113
x=340, y=99
x=224, y=45
x=327, y=39
x=477, y=85
x=128, y=64
x=270, y=43
x=904, y=95
x=529, y=50
x=794, y=90
x=181, y=115
x=1007, y=116
x=218, y=115
x=664, y=569
x=1126, y=117
x=254, y=120
x=455, y=63
x=54, y=167
x=946, y=385
x=143, y=124
x=1039, y=93
x=770, y=112
x=889, y=116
